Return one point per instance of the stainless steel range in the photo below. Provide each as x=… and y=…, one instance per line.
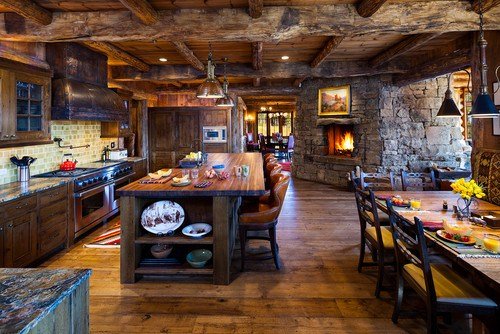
x=94, y=193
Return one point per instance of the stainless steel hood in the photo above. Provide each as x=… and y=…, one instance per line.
x=77, y=100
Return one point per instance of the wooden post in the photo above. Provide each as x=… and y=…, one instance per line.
x=222, y=239
x=130, y=215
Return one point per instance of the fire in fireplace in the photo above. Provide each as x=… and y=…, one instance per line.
x=340, y=140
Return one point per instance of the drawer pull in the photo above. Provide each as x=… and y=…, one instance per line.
x=10, y=225
x=52, y=195
x=22, y=206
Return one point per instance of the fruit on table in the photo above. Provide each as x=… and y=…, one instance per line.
x=223, y=175
x=164, y=172
x=398, y=201
x=180, y=179
x=457, y=237
x=210, y=174
x=456, y=228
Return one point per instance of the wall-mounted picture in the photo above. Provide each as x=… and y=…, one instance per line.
x=334, y=101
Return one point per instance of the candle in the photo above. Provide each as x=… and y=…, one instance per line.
x=492, y=243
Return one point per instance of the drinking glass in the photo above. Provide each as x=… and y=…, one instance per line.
x=415, y=204
x=237, y=171
x=194, y=173
x=185, y=172
x=492, y=243
x=245, y=169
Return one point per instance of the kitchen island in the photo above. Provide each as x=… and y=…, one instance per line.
x=216, y=204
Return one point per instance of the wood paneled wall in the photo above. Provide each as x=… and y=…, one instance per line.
x=183, y=100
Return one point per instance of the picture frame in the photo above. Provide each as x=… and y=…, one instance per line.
x=496, y=126
x=334, y=101
x=496, y=101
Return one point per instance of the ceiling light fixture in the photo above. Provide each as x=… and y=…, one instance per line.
x=162, y=59
x=483, y=106
x=210, y=88
x=285, y=57
x=225, y=101
x=449, y=108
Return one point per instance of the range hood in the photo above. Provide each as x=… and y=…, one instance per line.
x=77, y=100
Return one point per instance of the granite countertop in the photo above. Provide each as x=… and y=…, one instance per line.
x=15, y=190
x=134, y=159
x=100, y=164
x=28, y=295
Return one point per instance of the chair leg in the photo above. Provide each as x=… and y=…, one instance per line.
x=243, y=239
x=361, y=253
x=380, y=275
x=431, y=321
x=399, y=299
x=274, y=246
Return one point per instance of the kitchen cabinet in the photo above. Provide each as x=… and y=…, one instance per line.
x=24, y=108
x=20, y=240
x=52, y=219
x=140, y=169
x=2, y=229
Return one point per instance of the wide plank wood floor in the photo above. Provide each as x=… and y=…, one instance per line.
x=318, y=289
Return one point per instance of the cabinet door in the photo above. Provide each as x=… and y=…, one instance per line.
x=1, y=245
x=188, y=125
x=20, y=240
x=161, y=139
x=7, y=130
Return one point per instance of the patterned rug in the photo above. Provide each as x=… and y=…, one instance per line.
x=109, y=239
x=286, y=166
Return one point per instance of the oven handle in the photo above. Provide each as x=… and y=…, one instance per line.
x=93, y=190
x=123, y=178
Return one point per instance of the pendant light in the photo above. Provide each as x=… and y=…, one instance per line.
x=210, y=88
x=225, y=101
x=448, y=108
x=483, y=106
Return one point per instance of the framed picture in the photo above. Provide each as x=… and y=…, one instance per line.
x=496, y=126
x=334, y=101
x=496, y=95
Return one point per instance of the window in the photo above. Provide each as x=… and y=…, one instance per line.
x=28, y=106
x=269, y=123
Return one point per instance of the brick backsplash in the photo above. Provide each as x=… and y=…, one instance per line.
x=49, y=156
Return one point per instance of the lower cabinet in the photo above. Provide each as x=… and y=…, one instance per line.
x=140, y=169
x=20, y=240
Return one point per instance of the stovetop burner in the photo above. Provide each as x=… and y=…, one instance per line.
x=64, y=173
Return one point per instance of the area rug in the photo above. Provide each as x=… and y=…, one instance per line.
x=109, y=239
x=286, y=166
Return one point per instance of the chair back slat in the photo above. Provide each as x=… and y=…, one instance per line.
x=418, y=181
x=368, y=213
x=377, y=181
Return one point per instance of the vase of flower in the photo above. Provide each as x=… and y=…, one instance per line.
x=469, y=191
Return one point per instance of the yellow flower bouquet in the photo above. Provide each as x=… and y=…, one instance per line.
x=468, y=191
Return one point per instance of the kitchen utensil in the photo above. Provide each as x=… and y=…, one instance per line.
x=23, y=173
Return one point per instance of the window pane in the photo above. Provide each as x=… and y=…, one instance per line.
x=22, y=107
x=287, y=124
x=35, y=92
x=22, y=124
x=262, y=124
x=36, y=108
x=22, y=89
x=275, y=123
x=35, y=123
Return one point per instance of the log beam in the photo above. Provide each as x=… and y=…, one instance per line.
x=257, y=55
x=114, y=52
x=139, y=93
x=255, y=8
x=141, y=9
x=29, y=10
x=367, y=8
x=279, y=23
x=399, y=49
x=188, y=55
x=485, y=4
x=256, y=82
x=298, y=82
x=23, y=58
x=245, y=90
x=332, y=44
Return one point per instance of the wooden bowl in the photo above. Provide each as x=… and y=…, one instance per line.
x=161, y=251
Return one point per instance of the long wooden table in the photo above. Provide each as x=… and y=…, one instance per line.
x=484, y=271
x=216, y=205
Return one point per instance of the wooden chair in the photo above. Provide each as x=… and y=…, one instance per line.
x=262, y=218
x=442, y=289
x=378, y=238
x=271, y=169
x=251, y=145
x=290, y=147
x=376, y=181
x=418, y=181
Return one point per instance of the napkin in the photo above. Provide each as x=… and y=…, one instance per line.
x=432, y=225
x=384, y=197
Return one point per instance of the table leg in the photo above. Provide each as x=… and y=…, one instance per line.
x=129, y=251
x=222, y=239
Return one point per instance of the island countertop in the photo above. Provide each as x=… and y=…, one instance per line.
x=28, y=295
x=252, y=185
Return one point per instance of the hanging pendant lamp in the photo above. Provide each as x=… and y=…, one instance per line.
x=483, y=106
x=210, y=88
x=225, y=101
x=448, y=108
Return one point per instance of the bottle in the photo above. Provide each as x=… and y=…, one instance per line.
x=445, y=205
x=107, y=150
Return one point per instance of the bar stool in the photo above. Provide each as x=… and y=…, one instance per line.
x=264, y=217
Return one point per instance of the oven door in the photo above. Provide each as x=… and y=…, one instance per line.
x=115, y=198
x=91, y=205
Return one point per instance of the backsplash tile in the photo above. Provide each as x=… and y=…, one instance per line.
x=49, y=156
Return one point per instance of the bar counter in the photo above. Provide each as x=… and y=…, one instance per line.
x=216, y=205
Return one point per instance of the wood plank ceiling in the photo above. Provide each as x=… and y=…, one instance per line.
x=321, y=38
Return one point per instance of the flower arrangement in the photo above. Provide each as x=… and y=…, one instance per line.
x=467, y=189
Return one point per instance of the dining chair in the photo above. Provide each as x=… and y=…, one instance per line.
x=442, y=289
x=377, y=181
x=378, y=238
x=271, y=169
x=290, y=147
x=418, y=181
x=263, y=218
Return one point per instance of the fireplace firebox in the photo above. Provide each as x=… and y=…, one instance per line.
x=340, y=139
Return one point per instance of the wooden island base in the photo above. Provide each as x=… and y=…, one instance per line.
x=216, y=205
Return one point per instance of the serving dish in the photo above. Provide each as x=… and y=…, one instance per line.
x=198, y=258
x=443, y=235
x=197, y=230
x=162, y=217
x=181, y=184
x=161, y=251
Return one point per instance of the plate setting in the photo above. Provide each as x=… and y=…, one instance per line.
x=162, y=217
x=442, y=235
x=197, y=230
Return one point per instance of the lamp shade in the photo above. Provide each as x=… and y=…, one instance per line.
x=225, y=101
x=483, y=107
x=448, y=108
x=210, y=89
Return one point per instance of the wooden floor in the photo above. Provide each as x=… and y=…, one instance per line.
x=317, y=290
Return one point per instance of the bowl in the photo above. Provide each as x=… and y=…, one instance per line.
x=161, y=251
x=457, y=228
x=199, y=257
x=197, y=230
x=218, y=168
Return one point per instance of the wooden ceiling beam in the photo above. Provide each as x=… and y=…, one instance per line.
x=367, y=8
x=20, y=57
x=279, y=23
x=139, y=92
x=188, y=55
x=244, y=90
x=256, y=82
x=332, y=44
x=114, y=52
x=298, y=82
x=143, y=10
x=485, y=4
x=257, y=55
x=399, y=49
x=29, y=10
x=255, y=8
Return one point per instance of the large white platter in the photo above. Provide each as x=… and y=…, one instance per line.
x=162, y=217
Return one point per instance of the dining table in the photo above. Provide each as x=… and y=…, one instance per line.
x=483, y=267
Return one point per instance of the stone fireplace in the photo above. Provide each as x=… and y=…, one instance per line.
x=340, y=140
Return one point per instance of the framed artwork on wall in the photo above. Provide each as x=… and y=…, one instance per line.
x=334, y=101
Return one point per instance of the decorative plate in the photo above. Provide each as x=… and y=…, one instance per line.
x=442, y=235
x=181, y=184
x=197, y=230
x=162, y=217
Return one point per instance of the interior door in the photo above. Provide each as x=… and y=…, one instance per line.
x=188, y=130
x=162, y=134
